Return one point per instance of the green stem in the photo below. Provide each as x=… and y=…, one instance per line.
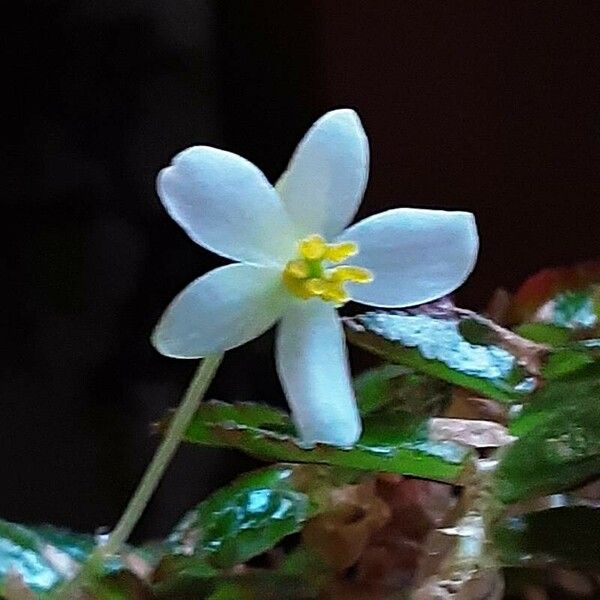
x=181, y=419
x=147, y=486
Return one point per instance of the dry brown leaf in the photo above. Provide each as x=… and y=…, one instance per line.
x=590, y=492
x=393, y=553
x=481, y=585
x=466, y=406
x=470, y=432
x=498, y=307
x=16, y=589
x=341, y=534
x=529, y=354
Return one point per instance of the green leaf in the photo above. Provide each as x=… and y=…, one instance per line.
x=374, y=388
x=567, y=535
x=544, y=333
x=44, y=557
x=572, y=359
x=559, y=445
x=564, y=396
x=434, y=345
x=254, y=513
x=299, y=575
x=22, y=551
x=76, y=545
x=394, y=442
x=576, y=310
x=393, y=387
x=545, y=285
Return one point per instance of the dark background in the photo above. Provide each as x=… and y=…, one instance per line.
x=486, y=106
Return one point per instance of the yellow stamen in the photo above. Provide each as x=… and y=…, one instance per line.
x=313, y=247
x=349, y=273
x=307, y=277
x=297, y=269
x=338, y=252
x=334, y=292
x=330, y=291
x=316, y=286
x=296, y=286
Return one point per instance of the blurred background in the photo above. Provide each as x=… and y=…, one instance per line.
x=490, y=107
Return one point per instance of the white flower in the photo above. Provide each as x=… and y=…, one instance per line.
x=297, y=263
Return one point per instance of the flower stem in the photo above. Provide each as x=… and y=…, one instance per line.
x=181, y=419
x=151, y=478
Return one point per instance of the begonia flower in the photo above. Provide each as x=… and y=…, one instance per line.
x=297, y=261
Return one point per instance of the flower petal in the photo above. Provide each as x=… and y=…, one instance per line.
x=415, y=255
x=324, y=183
x=221, y=310
x=313, y=367
x=226, y=204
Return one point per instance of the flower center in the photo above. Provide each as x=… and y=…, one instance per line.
x=309, y=275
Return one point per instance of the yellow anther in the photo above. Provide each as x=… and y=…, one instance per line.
x=307, y=277
x=330, y=291
x=296, y=286
x=349, y=273
x=297, y=269
x=316, y=286
x=313, y=247
x=338, y=252
x=334, y=292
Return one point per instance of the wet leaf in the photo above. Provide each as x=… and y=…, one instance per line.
x=26, y=553
x=76, y=546
x=548, y=283
x=245, y=519
x=477, y=329
x=566, y=535
x=434, y=345
x=254, y=513
x=299, y=575
x=44, y=557
x=559, y=445
x=394, y=442
x=576, y=310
